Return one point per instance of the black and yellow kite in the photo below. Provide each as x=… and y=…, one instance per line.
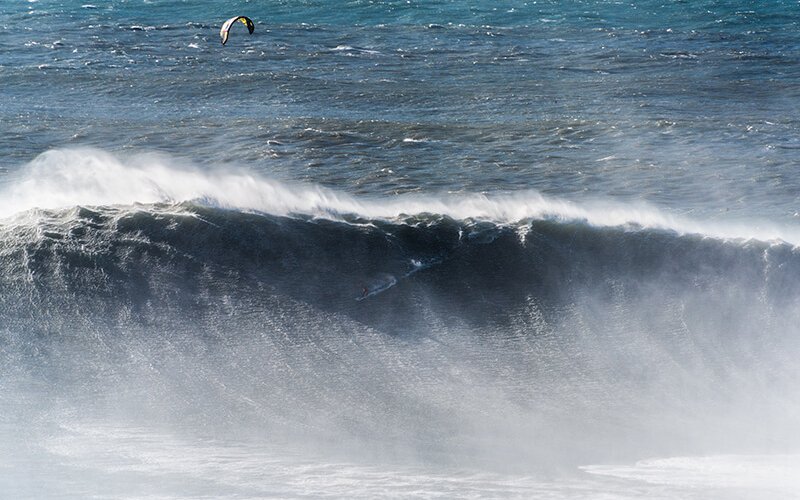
x=226, y=26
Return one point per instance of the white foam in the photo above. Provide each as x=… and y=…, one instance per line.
x=89, y=177
x=774, y=472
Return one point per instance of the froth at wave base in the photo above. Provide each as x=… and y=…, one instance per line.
x=174, y=333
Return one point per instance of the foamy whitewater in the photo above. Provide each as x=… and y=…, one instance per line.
x=399, y=249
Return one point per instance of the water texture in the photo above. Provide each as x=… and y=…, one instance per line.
x=399, y=248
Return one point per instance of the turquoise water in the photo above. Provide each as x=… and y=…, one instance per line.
x=399, y=248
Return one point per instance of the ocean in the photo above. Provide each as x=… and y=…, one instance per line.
x=407, y=249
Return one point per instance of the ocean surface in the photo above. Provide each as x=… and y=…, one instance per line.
x=416, y=249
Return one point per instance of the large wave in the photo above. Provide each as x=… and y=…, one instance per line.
x=510, y=332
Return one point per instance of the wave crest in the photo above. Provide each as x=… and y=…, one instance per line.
x=66, y=178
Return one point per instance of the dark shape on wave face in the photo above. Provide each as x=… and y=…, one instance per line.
x=227, y=25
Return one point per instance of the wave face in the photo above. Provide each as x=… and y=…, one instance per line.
x=408, y=337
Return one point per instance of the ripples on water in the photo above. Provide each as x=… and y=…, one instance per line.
x=691, y=109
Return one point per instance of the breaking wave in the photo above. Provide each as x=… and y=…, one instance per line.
x=90, y=177
x=511, y=332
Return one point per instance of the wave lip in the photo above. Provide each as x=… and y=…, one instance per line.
x=72, y=177
x=65, y=178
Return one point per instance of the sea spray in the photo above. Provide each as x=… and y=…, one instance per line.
x=91, y=177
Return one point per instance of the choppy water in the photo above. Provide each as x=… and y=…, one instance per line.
x=383, y=248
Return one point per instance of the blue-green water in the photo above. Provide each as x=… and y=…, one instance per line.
x=688, y=106
x=399, y=248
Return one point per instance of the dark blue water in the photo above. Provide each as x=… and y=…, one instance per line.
x=690, y=107
x=400, y=248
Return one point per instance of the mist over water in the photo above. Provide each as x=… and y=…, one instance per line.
x=527, y=250
x=256, y=348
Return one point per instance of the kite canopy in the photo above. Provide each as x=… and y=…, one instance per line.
x=226, y=26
